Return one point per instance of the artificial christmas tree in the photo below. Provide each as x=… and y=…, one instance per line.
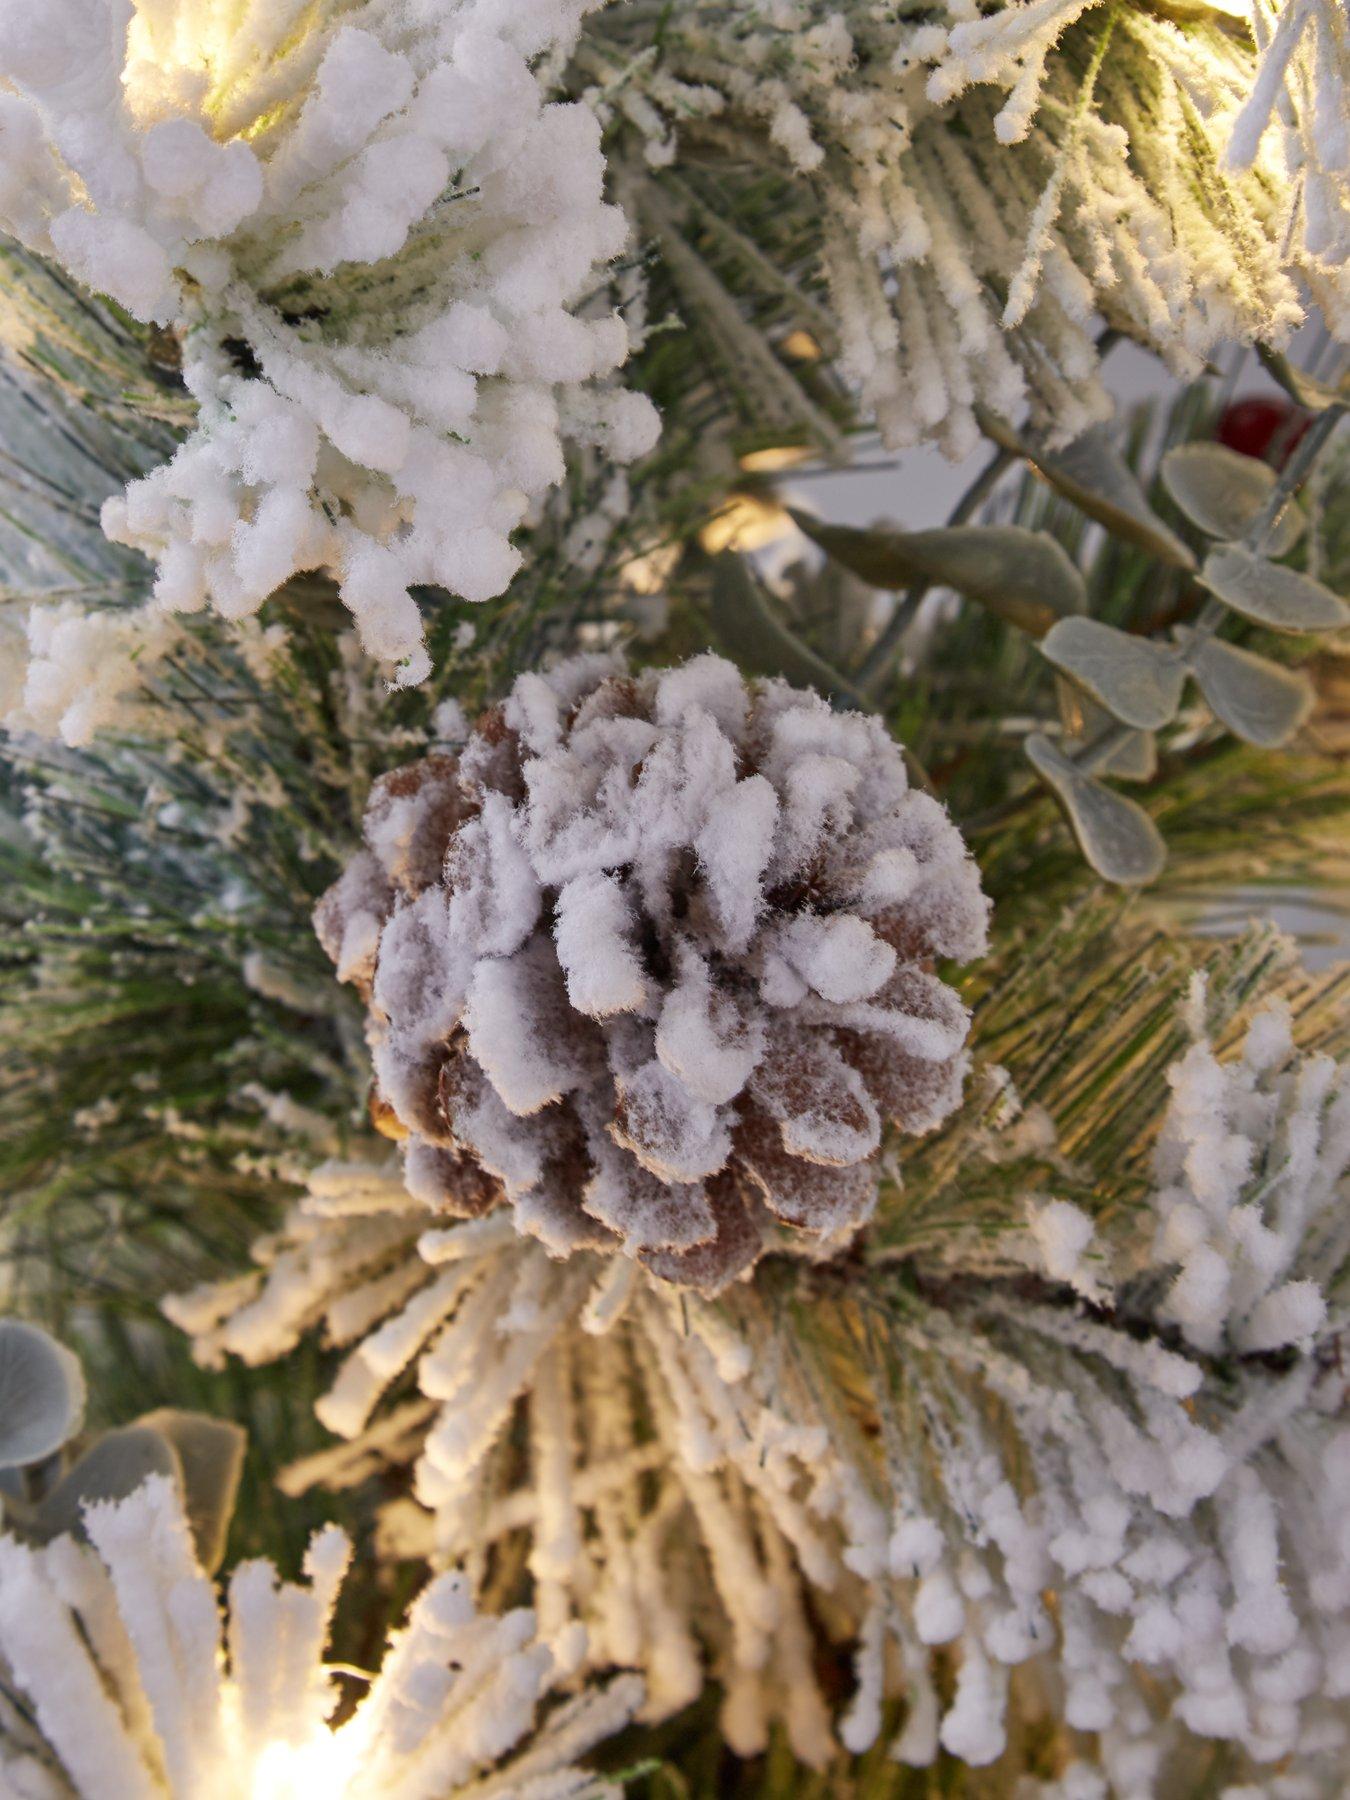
x=699, y=1103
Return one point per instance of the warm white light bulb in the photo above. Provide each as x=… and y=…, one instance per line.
x=186, y=43
x=317, y=1769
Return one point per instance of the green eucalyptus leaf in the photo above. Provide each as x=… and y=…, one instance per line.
x=114, y=1466
x=1022, y=576
x=1313, y=396
x=1135, y=758
x=42, y=1394
x=1255, y=698
x=747, y=627
x=1116, y=836
x=1271, y=594
x=1223, y=493
x=211, y=1454
x=1137, y=681
x=1093, y=474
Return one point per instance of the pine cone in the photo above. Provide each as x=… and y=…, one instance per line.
x=651, y=961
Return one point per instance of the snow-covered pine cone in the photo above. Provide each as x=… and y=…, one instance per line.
x=651, y=959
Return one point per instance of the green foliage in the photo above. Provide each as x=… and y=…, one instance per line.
x=173, y=1046
x=1021, y=576
x=42, y=1394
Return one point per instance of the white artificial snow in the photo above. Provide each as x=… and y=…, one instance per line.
x=1251, y=1204
x=134, y=1687
x=986, y=195
x=381, y=247
x=1299, y=99
x=1063, y=1234
x=687, y=1491
x=77, y=670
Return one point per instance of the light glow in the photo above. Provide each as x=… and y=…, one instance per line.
x=320, y=1768
x=171, y=58
x=745, y=523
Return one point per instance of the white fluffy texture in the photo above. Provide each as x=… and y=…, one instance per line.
x=685, y=1494
x=1301, y=99
x=1062, y=1235
x=119, y=1652
x=77, y=671
x=379, y=244
x=656, y=954
x=1253, y=1201
x=983, y=204
x=620, y=1513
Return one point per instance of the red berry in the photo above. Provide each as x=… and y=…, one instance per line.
x=1259, y=424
